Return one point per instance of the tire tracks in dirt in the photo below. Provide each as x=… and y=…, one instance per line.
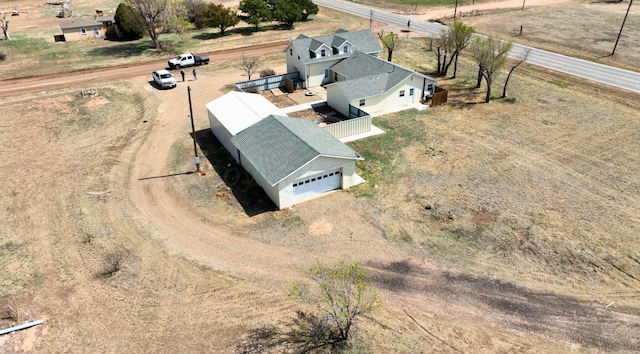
x=31, y=84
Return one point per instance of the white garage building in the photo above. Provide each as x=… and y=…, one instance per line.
x=294, y=160
x=236, y=111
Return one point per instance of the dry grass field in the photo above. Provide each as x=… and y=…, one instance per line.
x=584, y=29
x=529, y=243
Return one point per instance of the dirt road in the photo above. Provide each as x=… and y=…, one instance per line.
x=12, y=87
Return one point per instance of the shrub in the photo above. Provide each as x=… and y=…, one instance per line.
x=267, y=72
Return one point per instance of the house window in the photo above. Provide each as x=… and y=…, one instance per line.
x=345, y=49
x=335, y=76
x=411, y=92
x=290, y=51
x=430, y=87
x=83, y=31
x=326, y=73
x=323, y=52
x=361, y=102
x=401, y=93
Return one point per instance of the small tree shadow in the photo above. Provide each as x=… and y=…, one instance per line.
x=304, y=333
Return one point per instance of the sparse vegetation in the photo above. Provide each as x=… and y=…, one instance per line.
x=531, y=220
x=267, y=72
x=113, y=262
x=249, y=66
x=340, y=295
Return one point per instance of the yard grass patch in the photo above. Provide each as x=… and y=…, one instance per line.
x=514, y=186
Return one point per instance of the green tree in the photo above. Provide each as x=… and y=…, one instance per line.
x=307, y=7
x=220, y=17
x=341, y=294
x=175, y=18
x=458, y=38
x=491, y=55
x=130, y=23
x=254, y=12
x=286, y=12
x=389, y=42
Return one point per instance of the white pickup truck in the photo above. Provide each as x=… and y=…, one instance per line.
x=187, y=59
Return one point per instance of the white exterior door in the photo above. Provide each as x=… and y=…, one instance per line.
x=412, y=95
x=315, y=185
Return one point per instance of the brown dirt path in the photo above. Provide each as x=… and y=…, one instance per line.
x=182, y=227
x=13, y=87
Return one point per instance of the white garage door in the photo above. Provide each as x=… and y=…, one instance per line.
x=314, y=185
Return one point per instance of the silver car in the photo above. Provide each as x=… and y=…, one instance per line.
x=163, y=79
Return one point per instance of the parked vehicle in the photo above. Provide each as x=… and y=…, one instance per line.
x=15, y=13
x=164, y=79
x=187, y=59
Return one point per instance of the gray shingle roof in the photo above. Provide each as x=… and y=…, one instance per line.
x=367, y=75
x=278, y=146
x=79, y=23
x=364, y=41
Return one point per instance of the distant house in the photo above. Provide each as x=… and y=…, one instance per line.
x=80, y=28
x=312, y=57
x=109, y=28
x=235, y=112
x=374, y=85
x=294, y=160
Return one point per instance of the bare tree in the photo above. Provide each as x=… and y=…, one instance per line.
x=249, y=66
x=340, y=295
x=491, y=55
x=389, y=41
x=153, y=13
x=520, y=60
x=4, y=24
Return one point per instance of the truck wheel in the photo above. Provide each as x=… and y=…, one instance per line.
x=178, y=67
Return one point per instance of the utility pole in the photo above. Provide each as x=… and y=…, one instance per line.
x=523, y=1
x=193, y=131
x=370, y=18
x=455, y=10
x=621, y=27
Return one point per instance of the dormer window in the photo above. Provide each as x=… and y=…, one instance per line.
x=290, y=51
x=323, y=52
x=345, y=49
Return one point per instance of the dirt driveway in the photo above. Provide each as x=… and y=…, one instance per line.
x=426, y=307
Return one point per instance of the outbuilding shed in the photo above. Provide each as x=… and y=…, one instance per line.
x=294, y=160
x=236, y=111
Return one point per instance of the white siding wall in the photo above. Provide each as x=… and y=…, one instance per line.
x=337, y=101
x=293, y=61
x=392, y=99
x=223, y=135
x=316, y=72
x=317, y=166
x=272, y=192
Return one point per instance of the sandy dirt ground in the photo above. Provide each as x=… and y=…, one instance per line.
x=502, y=315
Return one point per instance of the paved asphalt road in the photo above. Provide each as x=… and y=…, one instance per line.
x=608, y=75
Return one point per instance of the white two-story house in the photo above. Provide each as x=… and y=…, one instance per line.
x=312, y=57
